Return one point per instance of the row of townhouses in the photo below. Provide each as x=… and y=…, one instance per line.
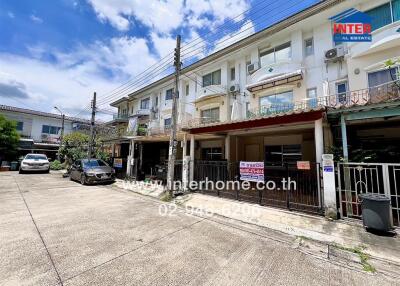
x=40, y=131
x=284, y=95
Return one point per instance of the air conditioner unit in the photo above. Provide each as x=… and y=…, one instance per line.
x=334, y=54
x=252, y=67
x=234, y=88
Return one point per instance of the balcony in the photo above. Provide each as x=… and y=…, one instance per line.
x=120, y=117
x=198, y=122
x=384, y=93
x=210, y=91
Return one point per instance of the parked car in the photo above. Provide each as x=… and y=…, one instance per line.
x=90, y=171
x=35, y=162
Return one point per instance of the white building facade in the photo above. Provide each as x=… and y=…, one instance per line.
x=276, y=97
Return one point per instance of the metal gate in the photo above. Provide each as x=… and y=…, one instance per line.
x=378, y=178
x=306, y=197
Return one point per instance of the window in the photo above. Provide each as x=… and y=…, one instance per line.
x=20, y=126
x=187, y=89
x=341, y=90
x=384, y=14
x=167, y=122
x=213, y=78
x=47, y=129
x=145, y=103
x=309, y=47
x=156, y=103
x=284, y=98
x=169, y=93
x=382, y=76
x=278, y=155
x=233, y=74
x=279, y=53
x=93, y=163
x=312, y=97
x=210, y=115
x=212, y=154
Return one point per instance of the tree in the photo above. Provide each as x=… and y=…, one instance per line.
x=75, y=146
x=391, y=63
x=9, y=138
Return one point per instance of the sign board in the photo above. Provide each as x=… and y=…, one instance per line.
x=303, y=165
x=117, y=163
x=252, y=171
x=351, y=26
x=327, y=163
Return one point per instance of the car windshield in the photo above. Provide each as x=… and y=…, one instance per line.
x=36, y=157
x=93, y=163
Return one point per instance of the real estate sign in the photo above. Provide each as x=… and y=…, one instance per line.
x=351, y=26
x=252, y=171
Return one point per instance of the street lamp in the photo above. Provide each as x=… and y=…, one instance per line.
x=62, y=131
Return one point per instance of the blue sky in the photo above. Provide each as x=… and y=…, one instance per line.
x=58, y=52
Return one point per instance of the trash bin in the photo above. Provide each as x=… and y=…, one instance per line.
x=14, y=166
x=376, y=211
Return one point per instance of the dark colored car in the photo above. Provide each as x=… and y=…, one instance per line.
x=91, y=171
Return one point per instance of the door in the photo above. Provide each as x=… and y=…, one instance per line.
x=252, y=153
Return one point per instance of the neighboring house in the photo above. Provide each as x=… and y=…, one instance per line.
x=283, y=95
x=40, y=131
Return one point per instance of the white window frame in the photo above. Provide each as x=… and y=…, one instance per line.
x=312, y=46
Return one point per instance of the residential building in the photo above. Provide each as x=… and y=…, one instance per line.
x=286, y=94
x=40, y=131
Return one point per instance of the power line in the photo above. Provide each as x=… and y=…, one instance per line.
x=144, y=76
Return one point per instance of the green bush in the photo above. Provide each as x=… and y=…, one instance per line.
x=56, y=165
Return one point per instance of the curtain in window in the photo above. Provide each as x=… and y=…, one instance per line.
x=381, y=16
x=381, y=77
x=396, y=10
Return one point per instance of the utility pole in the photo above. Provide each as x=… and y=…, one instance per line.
x=92, y=122
x=62, y=131
x=172, y=140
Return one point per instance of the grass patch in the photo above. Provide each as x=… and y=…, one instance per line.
x=364, y=257
x=166, y=197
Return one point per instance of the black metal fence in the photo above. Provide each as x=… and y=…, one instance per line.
x=300, y=191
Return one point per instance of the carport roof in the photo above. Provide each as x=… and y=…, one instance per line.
x=294, y=116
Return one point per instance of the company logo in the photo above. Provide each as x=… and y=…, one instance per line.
x=351, y=26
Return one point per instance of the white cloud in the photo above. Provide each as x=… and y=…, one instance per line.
x=163, y=16
x=10, y=14
x=36, y=19
x=70, y=81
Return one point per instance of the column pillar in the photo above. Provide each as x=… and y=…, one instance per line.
x=319, y=140
x=344, y=138
x=228, y=147
x=191, y=173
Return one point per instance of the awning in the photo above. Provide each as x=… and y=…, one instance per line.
x=276, y=81
x=287, y=118
x=391, y=41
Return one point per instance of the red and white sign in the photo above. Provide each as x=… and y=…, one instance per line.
x=252, y=171
x=303, y=165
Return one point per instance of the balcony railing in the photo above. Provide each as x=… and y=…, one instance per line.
x=120, y=116
x=379, y=94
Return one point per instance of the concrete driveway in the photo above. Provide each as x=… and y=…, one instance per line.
x=57, y=232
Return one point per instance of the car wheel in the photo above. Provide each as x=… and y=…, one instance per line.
x=21, y=171
x=83, y=179
x=47, y=171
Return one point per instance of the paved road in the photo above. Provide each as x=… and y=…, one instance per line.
x=57, y=232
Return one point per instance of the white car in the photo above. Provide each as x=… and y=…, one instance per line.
x=35, y=162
